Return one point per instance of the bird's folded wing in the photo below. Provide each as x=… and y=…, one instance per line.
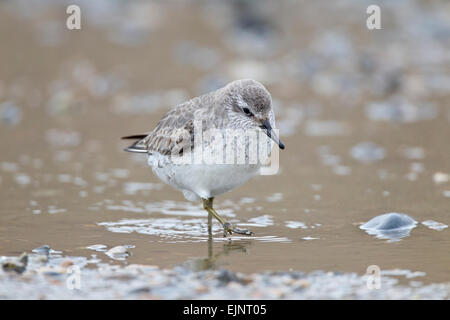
x=168, y=140
x=174, y=133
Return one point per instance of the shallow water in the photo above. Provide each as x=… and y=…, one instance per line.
x=64, y=104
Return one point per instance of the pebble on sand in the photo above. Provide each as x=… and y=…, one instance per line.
x=434, y=225
x=391, y=226
x=367, y=152
x=441, y=177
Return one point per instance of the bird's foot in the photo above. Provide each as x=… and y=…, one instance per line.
x=229, y=229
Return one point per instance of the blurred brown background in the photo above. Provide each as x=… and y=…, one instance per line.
x=364, y=114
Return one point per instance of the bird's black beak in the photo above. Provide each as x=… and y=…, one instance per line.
x=271, y=134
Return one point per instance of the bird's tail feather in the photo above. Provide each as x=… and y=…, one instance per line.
x=136, y=149
x=138, y=146
x=135, y=137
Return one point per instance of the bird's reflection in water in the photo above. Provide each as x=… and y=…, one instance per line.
x=211, y=262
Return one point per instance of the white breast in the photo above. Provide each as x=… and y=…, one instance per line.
x=204, y=181
x=201, y=180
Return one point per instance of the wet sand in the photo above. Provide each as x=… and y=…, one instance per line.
x=66, y=97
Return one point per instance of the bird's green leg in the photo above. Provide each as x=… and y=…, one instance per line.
x=227, y=227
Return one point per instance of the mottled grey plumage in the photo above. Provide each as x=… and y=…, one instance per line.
x=216, y=109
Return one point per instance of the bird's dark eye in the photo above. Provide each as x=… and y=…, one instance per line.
x=247, y=111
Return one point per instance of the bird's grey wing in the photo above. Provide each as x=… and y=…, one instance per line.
x=175, y=131
x=171, y=140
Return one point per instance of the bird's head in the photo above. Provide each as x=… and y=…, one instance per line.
x=251, y=107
